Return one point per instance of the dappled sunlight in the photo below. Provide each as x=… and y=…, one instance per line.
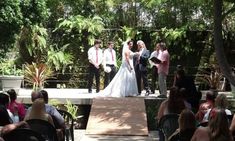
x=118, y=116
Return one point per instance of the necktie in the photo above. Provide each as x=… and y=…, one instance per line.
x=112, y=55
x=96, y=56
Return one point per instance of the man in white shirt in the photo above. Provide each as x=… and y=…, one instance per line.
x=95, y=57
x=109, y=63
x=154, y=70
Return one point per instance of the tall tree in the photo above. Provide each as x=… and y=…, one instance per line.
x=218, y=42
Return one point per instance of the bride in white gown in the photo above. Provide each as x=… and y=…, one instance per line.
x=124, y=83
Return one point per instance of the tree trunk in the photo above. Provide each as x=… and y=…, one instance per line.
x=218, y=42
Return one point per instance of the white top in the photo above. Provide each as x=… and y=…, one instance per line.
x=206, y=116
x=95, y=56
x=109, y=57
x=153, y=54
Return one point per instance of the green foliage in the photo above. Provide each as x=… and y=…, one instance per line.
x=8, y=67
x=10, y=23
x=14, y=14
x=33, y=39
x=212, y=77
x=38, y=42
x=55, y=102
x=94, y=25
x=173, y=34
x=34, y=11
x=71, y=108
x=79, y=33
x=60, y=32
x=129, y=32
x=210, y=73
x=59, y=59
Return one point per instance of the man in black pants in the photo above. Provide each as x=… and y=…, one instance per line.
x=154, y=68
x=109, y=63
x=140, y=64
x=95, y=57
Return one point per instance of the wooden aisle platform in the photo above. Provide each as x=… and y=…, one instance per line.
x=118, y=116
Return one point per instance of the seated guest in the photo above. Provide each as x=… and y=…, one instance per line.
x=183, y=94
x=187, y=126
x=217, y=130
x=15, y=107
x=10, y=127
x=221, y=102
x=38, y=111
x=204, y=107
x=58, y=120
x=4, y=114
x=173, y=104
x=232, y=126
x=51, y=110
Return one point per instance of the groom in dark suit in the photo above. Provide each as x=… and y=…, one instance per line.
x=140, y=64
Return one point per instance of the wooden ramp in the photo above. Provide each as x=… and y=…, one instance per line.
x=117, y=116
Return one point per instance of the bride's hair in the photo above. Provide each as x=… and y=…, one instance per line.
x=129, y=41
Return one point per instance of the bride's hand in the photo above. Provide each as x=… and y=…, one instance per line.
x=130, y=69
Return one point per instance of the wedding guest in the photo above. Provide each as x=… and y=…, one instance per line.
x=38, y=111
x=4, y=115
x=58, y=120
x=34, y=96
x=51, y=110
x=232, y=126
x=10, y=127
x=183, y=94
x=154, y=70
x=163, y=69
x=109, y=63
x=140, y=64
x=204, y=107
x=173, y=104
x=217, y=130
x=95, y=56
x=221, y=102
x=187, y=126
x=15, y=107
x=187, y=82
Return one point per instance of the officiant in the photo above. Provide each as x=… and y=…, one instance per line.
x=140, y=65
x=109, y=63
x=154, y=70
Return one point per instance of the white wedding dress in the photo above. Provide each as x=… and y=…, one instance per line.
x=124, y=82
